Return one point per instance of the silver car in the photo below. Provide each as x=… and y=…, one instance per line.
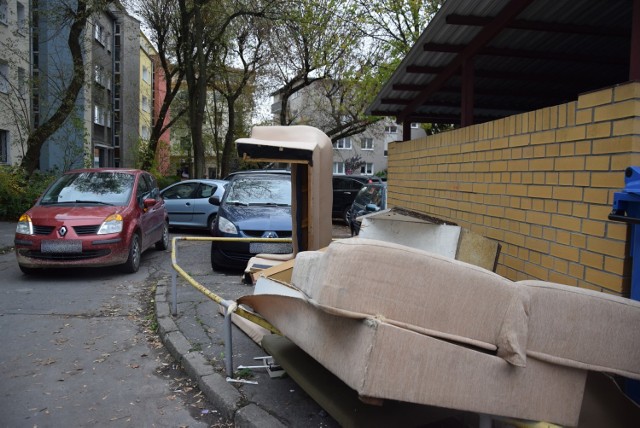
x=188, y=202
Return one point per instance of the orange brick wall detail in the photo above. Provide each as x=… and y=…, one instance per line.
x=541, y=183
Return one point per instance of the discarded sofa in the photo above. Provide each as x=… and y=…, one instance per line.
x=395, y=322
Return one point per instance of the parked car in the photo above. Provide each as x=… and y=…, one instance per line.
x=254, y=171
x=254, y=205
x=371, y=198
x=93, y=217
x=188, y=204
x=345, y=189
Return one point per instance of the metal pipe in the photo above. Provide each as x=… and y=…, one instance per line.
x=229, y=307
x=174, y=282
x=241, y=312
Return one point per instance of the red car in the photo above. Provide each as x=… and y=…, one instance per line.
x=93, y=217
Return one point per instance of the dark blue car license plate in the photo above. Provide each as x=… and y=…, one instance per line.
x=271, y=248
x=61, y=246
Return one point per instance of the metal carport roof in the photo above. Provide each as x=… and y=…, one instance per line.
x=482, y=60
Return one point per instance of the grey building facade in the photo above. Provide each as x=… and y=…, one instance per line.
x=103, y=128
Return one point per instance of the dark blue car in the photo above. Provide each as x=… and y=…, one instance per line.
x=255, y=205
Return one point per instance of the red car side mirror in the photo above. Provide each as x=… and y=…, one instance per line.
x=148, y=203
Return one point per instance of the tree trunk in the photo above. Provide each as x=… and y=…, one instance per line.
x=197, y=119
x=229, y=146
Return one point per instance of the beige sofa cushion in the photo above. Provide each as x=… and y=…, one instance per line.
x=381, y=360
x=583, y=328
x=418, y=290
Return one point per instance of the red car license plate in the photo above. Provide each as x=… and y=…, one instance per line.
x=61, y=246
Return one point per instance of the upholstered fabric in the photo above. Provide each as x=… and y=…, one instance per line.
x=381, y=360
x=401, y=323
x=584, y=328
x=410, y=287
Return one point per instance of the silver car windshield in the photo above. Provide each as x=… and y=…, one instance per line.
x=102, y=188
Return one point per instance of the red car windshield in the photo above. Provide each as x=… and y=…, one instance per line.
x=106, y=188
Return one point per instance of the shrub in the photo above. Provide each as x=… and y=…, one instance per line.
x=18, y=191
x=165, y=181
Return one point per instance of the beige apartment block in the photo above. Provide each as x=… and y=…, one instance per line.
x=541, y=183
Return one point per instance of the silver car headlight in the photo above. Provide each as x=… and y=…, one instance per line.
x=25, y=226
x=226, y=226
x=112, y=224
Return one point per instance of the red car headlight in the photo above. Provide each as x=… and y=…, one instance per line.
x=112, y=224
x=25, y=226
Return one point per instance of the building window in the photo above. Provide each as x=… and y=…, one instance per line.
x=4, y=146
x=4, y=77
x=22, y=18
x=145, y=132
x=145, y=103
x=22, y=82
x=391, y=129
x=366, y=144
x=4, y=8
x=415, y=125
x=343, y=144
x=366, y=169
x=99, y=34
x=338, y=167
x=98, y=115
x=97, y=71
x=146, y=76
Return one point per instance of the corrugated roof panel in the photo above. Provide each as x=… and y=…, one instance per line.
x=583, y=45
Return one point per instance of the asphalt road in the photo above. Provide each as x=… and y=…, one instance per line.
x=77, y=347
x=74, y=351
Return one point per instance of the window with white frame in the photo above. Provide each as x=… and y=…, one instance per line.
x=98, y=115
x=4, y=77
x=366, y=169
x=366, y=144
x=343, y=144
x=99, y=34
x=145, y=103
x=4, y=146
x=414, y=125
x=145, y=132
x=338, y=167
x=146, y=75
x=392, y=129
x=4, y=12
x=98, y=72
x=22, y=18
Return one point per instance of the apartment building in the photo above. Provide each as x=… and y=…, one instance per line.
x=103, y=129
x=126, y=97
x=15, y=108
x=146, y=88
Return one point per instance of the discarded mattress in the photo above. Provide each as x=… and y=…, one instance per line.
x=395, y=322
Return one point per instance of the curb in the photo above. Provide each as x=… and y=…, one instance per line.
x=225, y=397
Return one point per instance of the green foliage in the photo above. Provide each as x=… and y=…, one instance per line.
x=18, y=191
x=244, y=374
x=165, y=181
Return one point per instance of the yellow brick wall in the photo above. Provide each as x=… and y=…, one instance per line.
x=541, y=183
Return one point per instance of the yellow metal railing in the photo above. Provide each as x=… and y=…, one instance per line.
x=229, y=306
